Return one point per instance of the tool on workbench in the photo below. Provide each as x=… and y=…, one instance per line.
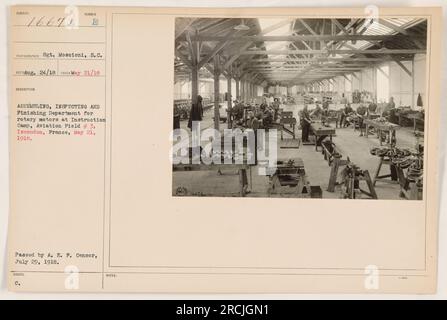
x=289, y=178
x=352, y=176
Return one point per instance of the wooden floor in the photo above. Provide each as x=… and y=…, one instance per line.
x=348, y=141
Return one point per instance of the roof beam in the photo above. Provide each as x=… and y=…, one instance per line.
x=183, y=58
x=221, y=45
x=192, y=51
x=304, y=23
x=212, y=24
x=182, y=26
x=340, y=26
x=392, y=26
x=215, y=51
x=403, y=67
x=276, y=26
x=359, y=51
x=219, y=27
x=383, y=72
x=298, y=38
x=247, y=45
x=413, y=37
x=319, y=59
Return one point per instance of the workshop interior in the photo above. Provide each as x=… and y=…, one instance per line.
x=343, y=99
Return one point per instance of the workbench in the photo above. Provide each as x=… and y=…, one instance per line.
x=402, y=113
x=382, y=127
x=287, y=119
x=289, y=178
x=417, y=116
x=242, y=170
x=321, y=132
x=333, y=116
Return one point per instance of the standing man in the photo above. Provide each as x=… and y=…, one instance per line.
x=361, y=113
x=196, y=112
x=391, y=111
x=305, y=124
x=317, y=112
x=276, y=105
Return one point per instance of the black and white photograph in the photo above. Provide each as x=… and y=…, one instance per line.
x=218, y=150
x=300, y=107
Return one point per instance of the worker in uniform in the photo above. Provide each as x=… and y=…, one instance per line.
x=325, y=112
x=361, y=113
x=176, y=117
x=267, y=118
x=305, y=124
x=345, y=113
x=276, y=105
x=196, y=113
x=372, y=108
x=391, y=111
x=317, y=112
x=264, y=103
x=386, y=107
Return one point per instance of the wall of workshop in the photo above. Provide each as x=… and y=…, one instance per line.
x=420, y=75
x=367, y=79
x=362, y=81
x=339, y=85
x=401, y=83
x=182, y=89
x=277, y=90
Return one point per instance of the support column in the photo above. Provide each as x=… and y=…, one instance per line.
x=194, y=83
x=229, y=106
x=244, y=94
x=413, y=104
x=237, y=89
x=216, y=92
x=374, y=77
x=195, y=53
x=242, y=91
x=229, y=92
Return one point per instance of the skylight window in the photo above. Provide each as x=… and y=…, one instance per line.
x=282, y=31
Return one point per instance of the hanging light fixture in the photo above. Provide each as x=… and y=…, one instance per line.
x=242, y=26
